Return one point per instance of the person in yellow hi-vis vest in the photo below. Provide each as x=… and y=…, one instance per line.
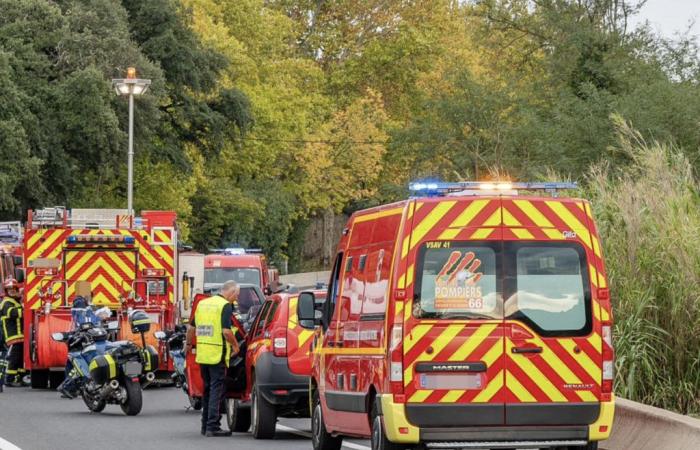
x=216, y=343
x=11, y=329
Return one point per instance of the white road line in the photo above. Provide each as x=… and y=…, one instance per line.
x=308, y=435
x=7, y=445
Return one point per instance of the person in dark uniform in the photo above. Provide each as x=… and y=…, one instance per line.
x=11, y=321
x=216, y=343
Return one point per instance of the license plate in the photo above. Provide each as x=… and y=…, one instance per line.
x=451, y=381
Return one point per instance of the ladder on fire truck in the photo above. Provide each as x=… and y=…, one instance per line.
x=11, y=233
x=93, y=219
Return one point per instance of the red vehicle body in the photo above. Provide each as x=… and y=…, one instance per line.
x=235, y=264
x=471, y=319
x=113, y=259
x=277, y=369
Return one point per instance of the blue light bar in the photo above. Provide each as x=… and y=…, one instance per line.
x=442, y=188
x=100, y=239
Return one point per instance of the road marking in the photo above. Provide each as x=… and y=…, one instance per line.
x=308, y=435
x=7, y=445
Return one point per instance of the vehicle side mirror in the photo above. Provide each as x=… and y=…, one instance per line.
x=306, y=310
x=19, y=275
x=267, y=291
x=160, y=335
x=57, y=337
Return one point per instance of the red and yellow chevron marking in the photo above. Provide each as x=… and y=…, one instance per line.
x=110, y=272
x=303, y=336
x=568, y=369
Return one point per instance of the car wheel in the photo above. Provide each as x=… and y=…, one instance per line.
x=379, y=440
x=321, y=439
x=264, y=415
x=238, y=418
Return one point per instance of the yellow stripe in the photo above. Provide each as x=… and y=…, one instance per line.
x=587, y=396
x=404, y=246
x=420, y=396
x=508, y=219
x=402, y=281
x=492, y=389
x=596, y=341
x=409, y=275
x=533, y=213
x=438, y=345
x=50, y=239
x=74, y=266
x=593, y=274
x=555, y=363
x=465, y=218
x=573, y=222
x=304, y=336
x=591, y=368
x=352, y=351
x=449, y=234
x=522, y=233
x=482, y=233
x=494, y=220
x=518, y=389
x=415, y=335
x=378, y=215
x=407, y=312
x=468, y=347
x=537, y=376
x=452, y=396
x=429, y=222
x=398, y=308
x=553, y=233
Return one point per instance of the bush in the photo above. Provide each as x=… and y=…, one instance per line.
x=649, y=220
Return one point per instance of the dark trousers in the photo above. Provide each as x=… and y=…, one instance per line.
x=213, y=376
x=15, y=362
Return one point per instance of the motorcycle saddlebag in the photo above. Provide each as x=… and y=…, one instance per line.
x=103, y=368
x=150, y=359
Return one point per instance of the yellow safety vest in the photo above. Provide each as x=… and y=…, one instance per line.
x=11, y=320
x=210, y=338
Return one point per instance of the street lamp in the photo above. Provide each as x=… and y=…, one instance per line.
x=130, y=86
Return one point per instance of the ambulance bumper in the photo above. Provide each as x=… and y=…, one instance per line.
x=400, y=430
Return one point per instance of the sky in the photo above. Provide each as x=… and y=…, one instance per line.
x=670, y=16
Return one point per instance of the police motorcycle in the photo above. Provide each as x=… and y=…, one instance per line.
x=174, y=341
x=104, y=372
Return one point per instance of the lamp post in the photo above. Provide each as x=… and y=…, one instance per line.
x=130, y=86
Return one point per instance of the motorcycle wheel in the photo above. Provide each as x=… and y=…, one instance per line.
x=195, y=402
x=134, y=399
x=95, y=405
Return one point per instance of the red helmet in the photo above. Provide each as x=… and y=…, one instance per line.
x=10, y=283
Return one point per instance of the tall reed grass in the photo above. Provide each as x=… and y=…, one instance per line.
x=648, y=212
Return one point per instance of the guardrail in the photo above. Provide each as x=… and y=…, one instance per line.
x=643, y=427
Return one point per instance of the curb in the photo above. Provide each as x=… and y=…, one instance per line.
x=643, y=427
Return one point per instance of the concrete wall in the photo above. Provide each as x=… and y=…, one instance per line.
x=642, y=427
x=306, y=280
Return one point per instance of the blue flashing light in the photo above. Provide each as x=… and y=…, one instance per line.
x=129, y=240
x=72, y=239
x=432, y=189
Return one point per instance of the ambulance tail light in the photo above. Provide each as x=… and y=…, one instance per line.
x=396, y=363
x=608, y=362
x=279, y=343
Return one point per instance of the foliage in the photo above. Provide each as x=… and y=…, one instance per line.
x=648, y=215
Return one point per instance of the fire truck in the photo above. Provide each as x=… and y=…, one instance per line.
x=248, y=266
x=108, y=257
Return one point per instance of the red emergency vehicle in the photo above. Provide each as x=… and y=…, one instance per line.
x=245, y=266
x=11, y=252
x=110, y=258
x=466, y=317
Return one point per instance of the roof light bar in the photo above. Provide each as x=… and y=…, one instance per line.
x=100, y=239
x=441, y=188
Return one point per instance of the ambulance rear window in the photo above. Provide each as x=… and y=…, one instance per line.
x=457, y=280
x=551, y=290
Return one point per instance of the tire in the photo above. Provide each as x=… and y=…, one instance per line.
x=39, y=379
x=321, y=439
x=379, y=440
x=134, y=398
x=237, y=417
x=195, y=402
x=263, y=415
x=93, y=404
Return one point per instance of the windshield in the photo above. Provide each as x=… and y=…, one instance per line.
x=220, y=275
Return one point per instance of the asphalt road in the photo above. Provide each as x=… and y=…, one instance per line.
x=40, y=420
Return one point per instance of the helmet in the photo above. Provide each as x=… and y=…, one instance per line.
x=97, y=334
x=79, y=302
x=10, y=283
x=140, y=322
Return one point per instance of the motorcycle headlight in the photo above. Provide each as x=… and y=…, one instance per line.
x=132, y=368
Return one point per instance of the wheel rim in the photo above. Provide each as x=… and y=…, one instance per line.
x=230, y=411
x=376, y=430
x=316, y=425
x=254, y=407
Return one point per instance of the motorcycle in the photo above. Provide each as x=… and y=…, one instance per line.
x=104, y=372
x=174, y=341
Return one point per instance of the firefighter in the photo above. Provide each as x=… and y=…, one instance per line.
x=216, y=343
x=12, y=331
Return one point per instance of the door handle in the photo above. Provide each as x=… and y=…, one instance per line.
x=335, y=343
x=520, y=350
